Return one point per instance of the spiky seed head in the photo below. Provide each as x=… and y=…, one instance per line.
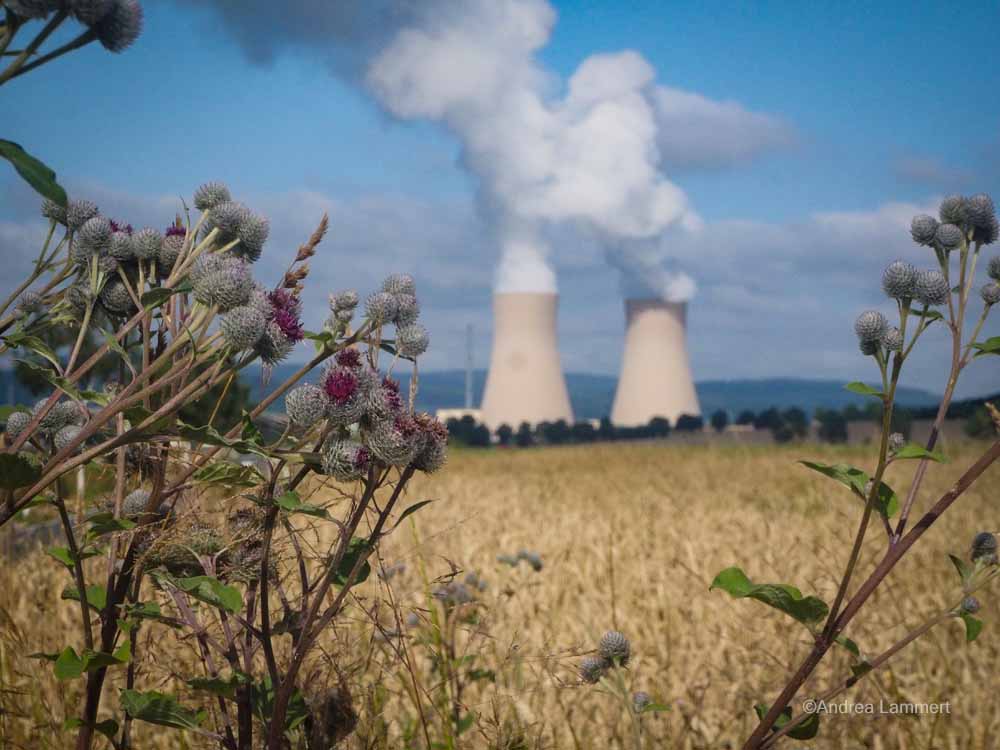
x=120, y=26
x=380, y=307
x=896, y=442
x=592, y=669
x=273, y=346
x=53, y=211
x=988, y=234
x=384, y=401
x=979, y=211
x=227, y=217
x=868, y=348
x=30, y=303
x=121, y=247
x=399, y=283
x=343, y=316
x=306, y=405
x=62, y=414
x=252, y=233
x=984, y=544
x=89, y=12
x=346, y=460
x=641, y=699
x=147, y=243
x=990, y=293
x=180, y=555
x=614, y=647
x=407, y=310
x=970, y=605
x=994, y=268
x=224, y=281
x=79, y=213
x=32, y=8
x=210, y=195
x=16, y=422
x=412, y=340
x=134, y=504
x=170, y=251
x=922, y=229
x=893, y=340
x=898, y=278
x=871, y=325
x=395, y=442
x=345, y=300
x=434, y=453
x=242, y=327
x=93, y=237
x=245, y=522
x=65, y=436
x=116, y=299
x=931, y=288
x=78, y=297
x=953, y=210
x=949, y=237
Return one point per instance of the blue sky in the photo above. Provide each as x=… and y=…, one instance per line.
x=858, y=108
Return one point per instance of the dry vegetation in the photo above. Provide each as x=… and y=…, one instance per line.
x=631, y=536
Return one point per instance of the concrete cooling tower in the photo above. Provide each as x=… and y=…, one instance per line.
x=655, y=378
x=525, y=381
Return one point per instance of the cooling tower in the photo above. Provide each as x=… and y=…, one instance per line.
x=655, y=379
x=525, y=382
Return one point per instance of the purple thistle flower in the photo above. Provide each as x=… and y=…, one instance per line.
x=175, y=231
x=340, y=386
x=349, y=358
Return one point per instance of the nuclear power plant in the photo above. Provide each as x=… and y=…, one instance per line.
x=525, y=381
x=655, y=378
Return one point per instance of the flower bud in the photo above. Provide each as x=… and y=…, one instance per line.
x=970, y=605
x=592, y=669
x=306, y=405
x=922, y=229
x=990, y=293
x=896, y=442
x=412, y=340
x=120, y=26
x=210, y=195
x=399, y=283
x=898, y=279
x=984, y=544
x=949, y=237
x=893, y=340
x=615, y=648
x=871, y=326
x=931, y=288
x=953, y=210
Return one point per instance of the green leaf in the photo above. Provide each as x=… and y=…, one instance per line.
x=97, y=596
x=34, y=172
x=40, y=348
x=208, y=435
x=206, y=589
x=973, y=627
x=808, y=610
x=865, y=390
x=106, y=523
x=850, y=645
x=156, y=297
x=913, y=450
x=68, y=666
x=465, y=723
x=250, y=431
x=886, y=502
x=357, y=549
x=965, y=570
x=16, y=470
x=218, y=686
x=52, y=379
x=108, y=727
x=412, y=509
x=229, y=474
x=159, y=708
x=291, y=503
x=990, y=346
x=654, y=708
x=113, y=345
x=66, y=557
x=804, y=731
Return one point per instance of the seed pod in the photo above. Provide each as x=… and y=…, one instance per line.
x=116, y=299
x=614, y=647
x=146, y=244
x=434, y=453
x=252, y=233
x=79, y=213
x=346, y=460
x=210, y=195
x=871, y=326
x=990, y=293
x=92, y=238
x=399, y=283
x=395, y=442
x=922, y=229
x=273, y=346
x=407, y=310
x=979, y=211
x=306, y=405
x=222, y=281
x=988, y=234
x=412, y=340
x=65, y=436
x=898, y=279
x=242, y=327
x=893, y=340
x=120, y=26
x=380, y=308
x=592, y=669
x=16, y=422
x=121, y=247
x=931, y=288
x=949, y=237
x=984, y=544
x=53, y=211
x=346, y=300
x=953, y=210
x=170, y=251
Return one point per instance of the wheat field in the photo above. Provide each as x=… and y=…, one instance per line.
x=631, y=536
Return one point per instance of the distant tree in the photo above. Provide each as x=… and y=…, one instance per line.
x=979, y=424
x=832, y=426
x=583, y=432
x=769, y=419
x=797, y=421
x=783, y=433
x=480, y=436
x=504, y=434
x=720, y=420
x=689, y=423
x=607, y=430
x=658, y=427
x=746, y=417
x=524, y=438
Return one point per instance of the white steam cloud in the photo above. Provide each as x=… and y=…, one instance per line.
x=588, y=152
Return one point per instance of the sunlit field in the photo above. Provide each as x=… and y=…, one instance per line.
x=630, y=537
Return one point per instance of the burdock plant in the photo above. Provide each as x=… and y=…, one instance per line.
x=181, y=315
x=944, y=296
